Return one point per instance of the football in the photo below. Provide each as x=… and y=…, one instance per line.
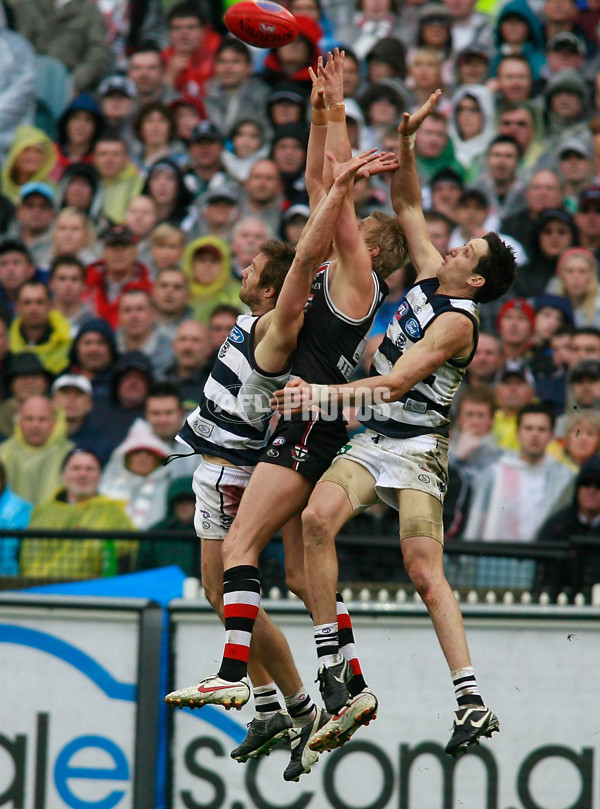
x=261, y=23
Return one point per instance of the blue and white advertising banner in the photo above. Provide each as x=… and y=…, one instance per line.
x=538, y=669
x=69, y=720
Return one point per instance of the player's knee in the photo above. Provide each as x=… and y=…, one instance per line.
x=420, y=574
x=315, y=525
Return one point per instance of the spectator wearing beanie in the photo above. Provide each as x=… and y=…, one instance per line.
x=78, y=128
x=515, y=324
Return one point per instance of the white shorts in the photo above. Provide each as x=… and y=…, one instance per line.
x=419, y=463
x=218, y=491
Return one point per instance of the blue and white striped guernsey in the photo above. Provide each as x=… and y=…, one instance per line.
x=426, y=407
x=232, y=419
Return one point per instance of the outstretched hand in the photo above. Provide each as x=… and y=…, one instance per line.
x=345, y=172
x=317, y=93
x=411, y=122
x=333, y=75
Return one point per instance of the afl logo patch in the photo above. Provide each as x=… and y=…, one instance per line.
x=402, y=310
x=412, y=328
x=278, y=442
x=236, y=335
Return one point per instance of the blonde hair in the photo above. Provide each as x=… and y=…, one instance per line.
x=163, y=232
x=90, y=230
x=588, y=307
x=588, y=417
x=385, y=232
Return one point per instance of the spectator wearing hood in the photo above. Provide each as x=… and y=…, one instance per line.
x=554, y=233
x=190, y=56
x=34, y=454
x=286, y=104
x=181, y=508
x=93, y=354
x=519, y=31
x=80, y=187
x=472, y=125
x=551, y=314
x=566, y=108
x=31, y=158
x=24, y=376
x=14, y=513
x=130, y=381
x=118, y=270
x=77, y=504
x=207, y=265
x=292, y=61
x=17, y=84
x=288, y=152
x=135, y=474
x=234, y=90
x=581, y=518
x=166, y=186
x=78, y=128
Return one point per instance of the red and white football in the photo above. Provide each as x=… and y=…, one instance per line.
x=261, y=23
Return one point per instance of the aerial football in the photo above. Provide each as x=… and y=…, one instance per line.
x=261, y=23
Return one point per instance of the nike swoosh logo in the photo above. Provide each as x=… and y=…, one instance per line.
x=480, y=723
x=203, y=690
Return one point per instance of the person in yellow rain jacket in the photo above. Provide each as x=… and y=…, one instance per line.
x=31, y=158
x=34, y=454
x=76, y=505
x=207, y=266
x=39, y=329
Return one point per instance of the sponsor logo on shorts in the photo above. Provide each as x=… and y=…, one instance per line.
x=272, y=453
x=279, y=441
x=415, y=407
x=205, y=525
x=346, y=448
x=299, y=453
x=236, y=335
x=424, y=478
x=412, y=327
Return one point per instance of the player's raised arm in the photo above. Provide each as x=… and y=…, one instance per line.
x=284, y=322
x=315, y=154
x=406, y=193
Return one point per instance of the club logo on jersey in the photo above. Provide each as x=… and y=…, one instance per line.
x=299, y=453
x=400, y=341
x=279, y=441
x=236, y=335
x=225, y=521
x=412, y=328
x=223, y=350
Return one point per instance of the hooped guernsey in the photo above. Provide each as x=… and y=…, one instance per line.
x=426, y=407
x=232, y=419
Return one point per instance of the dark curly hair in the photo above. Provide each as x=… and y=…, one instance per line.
x=498, y=268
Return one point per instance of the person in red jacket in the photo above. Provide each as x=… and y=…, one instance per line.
x=190, y=57
x=117, y=271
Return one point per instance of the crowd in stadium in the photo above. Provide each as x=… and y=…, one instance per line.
x=145, y=155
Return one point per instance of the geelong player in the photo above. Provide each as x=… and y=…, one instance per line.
x=402, y=457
